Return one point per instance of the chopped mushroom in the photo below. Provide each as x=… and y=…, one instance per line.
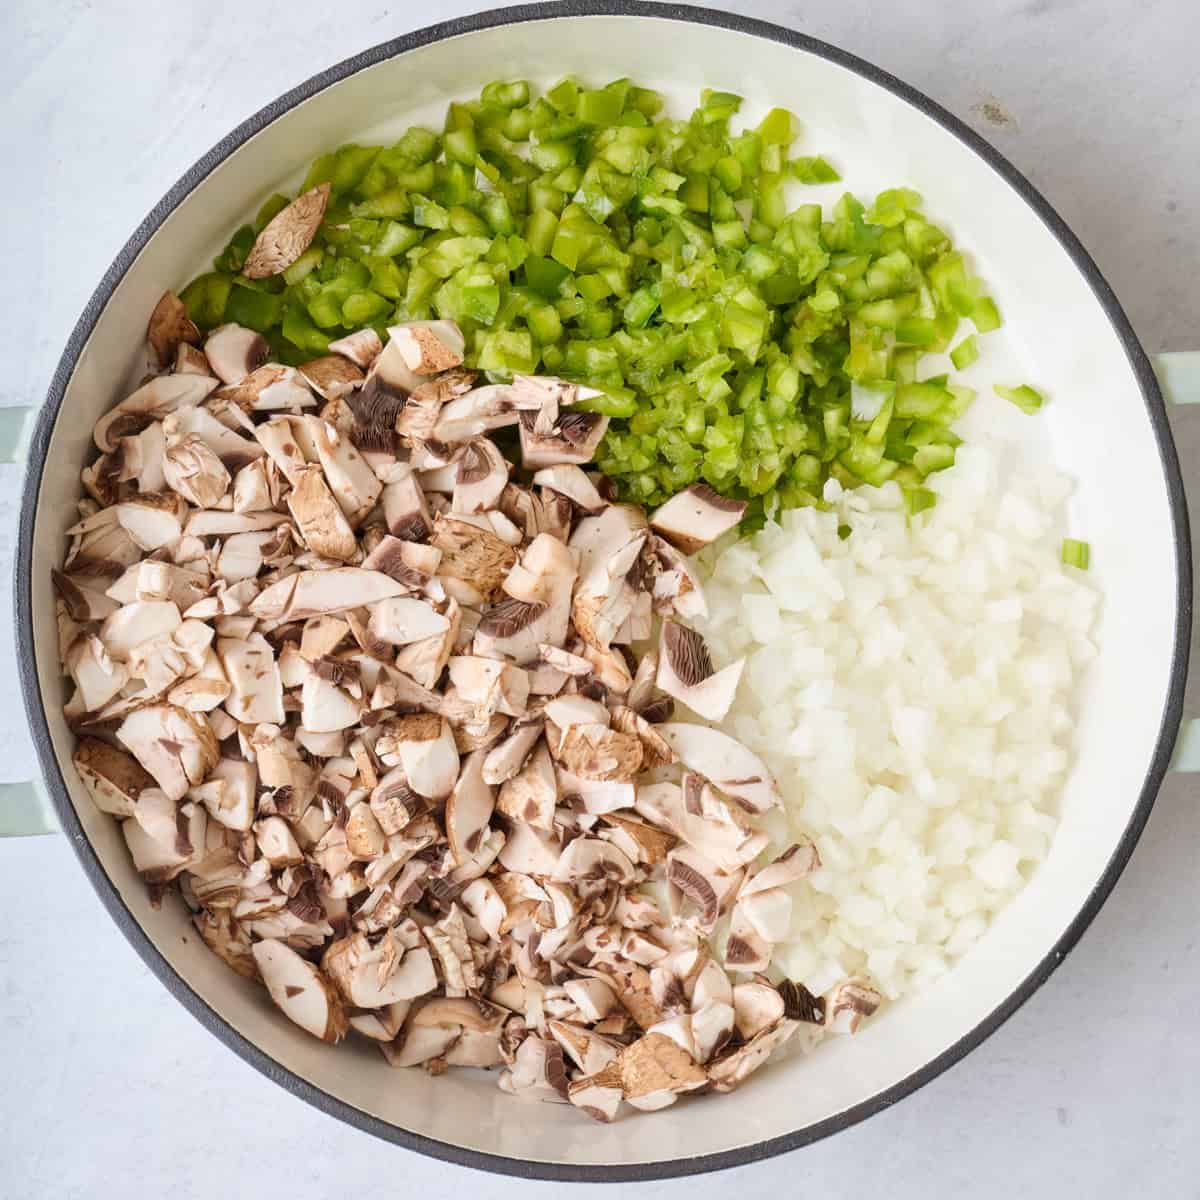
x=848, y=1004
x=287, y=235
x=113, y=779
x=300, y=990
x=696, y=516
x=685, y=672
x=428, y=347
x=384, y=708
x=153, y=401
x=170, y=327
x=234, y=352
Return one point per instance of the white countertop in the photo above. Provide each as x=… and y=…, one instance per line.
x=110, y=1087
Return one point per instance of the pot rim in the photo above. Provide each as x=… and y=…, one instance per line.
x=209, y=1017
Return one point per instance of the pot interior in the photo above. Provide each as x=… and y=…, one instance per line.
x=1096, y=427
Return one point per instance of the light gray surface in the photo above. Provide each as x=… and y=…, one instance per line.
x=1091, y=1090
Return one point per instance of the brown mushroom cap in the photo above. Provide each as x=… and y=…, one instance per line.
x=287, y=235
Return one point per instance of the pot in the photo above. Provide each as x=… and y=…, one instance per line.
x=1064, y=329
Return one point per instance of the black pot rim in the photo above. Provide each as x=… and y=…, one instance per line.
x=212, y=1020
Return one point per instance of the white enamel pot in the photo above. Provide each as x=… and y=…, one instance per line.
x=1106, y=426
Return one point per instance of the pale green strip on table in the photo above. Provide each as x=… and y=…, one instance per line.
x=15, y=425
x=25, y=810
x=1179, y=374
x=1187, y=748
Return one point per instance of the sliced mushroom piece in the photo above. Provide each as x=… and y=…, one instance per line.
x=594, y=998
x=589, y=1051
x=382, y=1024
x=170, y=327
x=561, y=660
x=475, y=413
x=191, y=468
x=270, y=388
x=135, y=623
x=745, y=949
x=253, y=674
x=278, y=438
x=362, y=347
x=113, y=779
x=591, y=859
x=154, y=400
x=757, y=1006
x=685, y=671
x=652, y=844
x=608, y=546
x=712, y=1027
x=214, y=523
x=276, y=843
x=354, y=485
x=480, y=479
x=469, y=809
x=793, y=864
x=166, y=581
x=490, y=684
x=531, y=795
x=98, y=677
x=327, y=708
x=536, y=608
x=849, y=1004
x=538, y=1071
x=600, y=753
x=417, y=1046
x=530, y=851
x=697, y=880
x=319, y=517
x=448, y=940
x=405, y=509
x=567, y=711
x=725, y=762
x=655, y=1070
x=189, y=360
x=479, y=1025
x=676, y=586
x=427, y=753
x=240, y=558
x=572, y=482
x=157, y=860
x=371, y=976
x=153, y=520
x=732, y=1069
x=693, y=518
x=313, y=593
x=287, y=235
x=598, y=1095
x=481, y=899
x=394, y=803
x=428, y=347
x=410, y=563
x=300, y=990
x=202, y=692
x=331, y=376
x=225, y=937
x=234, y=352
x=506, y=760
x=83, y=601
x=572, y=441
x=401, y=620
x=425, y=661
x=656, y=752
x=474, y=555
x=232, y=805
